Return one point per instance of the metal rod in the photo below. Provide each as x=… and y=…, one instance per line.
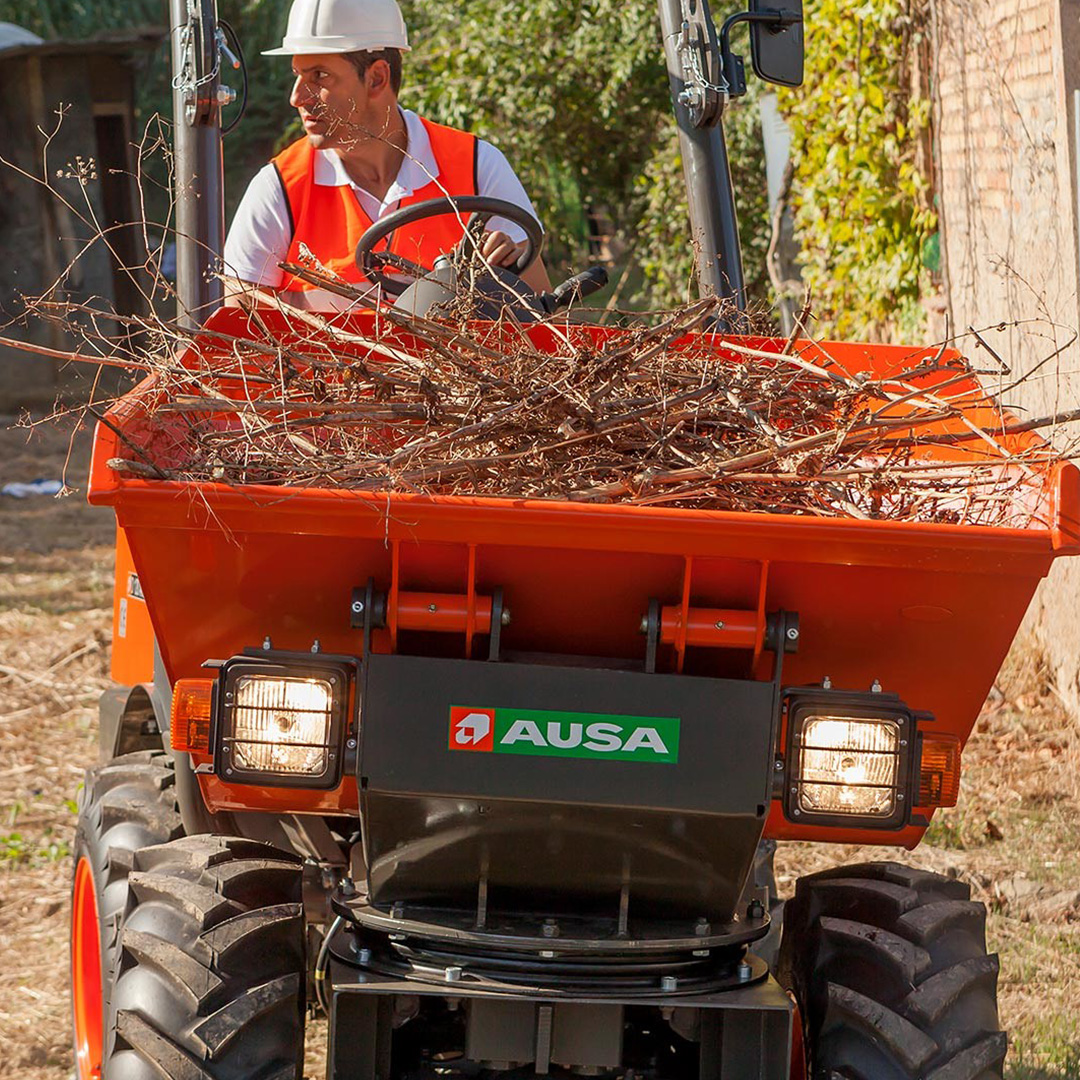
x=198, y=180
x=713, y=221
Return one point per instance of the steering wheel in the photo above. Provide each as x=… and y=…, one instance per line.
x=483, y=209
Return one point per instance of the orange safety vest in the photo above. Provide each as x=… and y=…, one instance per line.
x=330, y=220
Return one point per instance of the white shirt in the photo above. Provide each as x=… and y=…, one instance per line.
x=261, y=231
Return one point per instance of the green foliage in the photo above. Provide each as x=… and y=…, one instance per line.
x=863, y=211
x=576, y=96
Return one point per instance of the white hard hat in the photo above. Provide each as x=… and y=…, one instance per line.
x=342, y=26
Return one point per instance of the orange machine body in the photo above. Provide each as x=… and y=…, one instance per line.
x=927, y=610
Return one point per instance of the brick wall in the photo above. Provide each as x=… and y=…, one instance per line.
x=1004, y=72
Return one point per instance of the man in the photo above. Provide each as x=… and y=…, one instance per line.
x=361, y=158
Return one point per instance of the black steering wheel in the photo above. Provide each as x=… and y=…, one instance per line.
x=483, y=209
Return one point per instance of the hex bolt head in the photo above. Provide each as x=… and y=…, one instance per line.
x=364, y=956
x=348, y=887
x=826, y=683
x=744, y=971
x=719, y=624
x=755, y=910
x=453, y=974
x=875, y=687
x=397, y=911
x=702, y=928
x=433, y=607
x=669, y=984
x=550, y=928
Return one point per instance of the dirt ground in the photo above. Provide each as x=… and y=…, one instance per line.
x=1015, y=836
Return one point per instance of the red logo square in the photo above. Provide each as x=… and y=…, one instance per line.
x=471, y=729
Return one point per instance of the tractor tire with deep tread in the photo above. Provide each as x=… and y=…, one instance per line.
x=126, y=804
x=890, y=969
x=212, y=975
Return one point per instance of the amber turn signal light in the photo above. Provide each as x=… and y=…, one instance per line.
x=191, y=708
x=939, y=772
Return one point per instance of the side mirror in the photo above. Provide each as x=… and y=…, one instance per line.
x=776, y=45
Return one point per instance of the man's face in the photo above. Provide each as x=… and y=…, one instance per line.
x=338, y=107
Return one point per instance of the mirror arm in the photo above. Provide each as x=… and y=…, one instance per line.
x=734, y=71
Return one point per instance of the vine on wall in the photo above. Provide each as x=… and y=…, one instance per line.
x=861, y=191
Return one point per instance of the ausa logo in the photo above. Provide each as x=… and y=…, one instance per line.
x=545, y=733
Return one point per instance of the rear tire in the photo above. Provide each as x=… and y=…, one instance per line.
x=126, y=804
x=890, y=969
x=212, y=974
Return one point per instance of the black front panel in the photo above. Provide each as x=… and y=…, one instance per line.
x=563, y=783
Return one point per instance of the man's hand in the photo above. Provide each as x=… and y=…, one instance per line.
x=500, y=250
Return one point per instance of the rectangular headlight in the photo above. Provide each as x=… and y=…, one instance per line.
x=282, y=723
x=849, y=760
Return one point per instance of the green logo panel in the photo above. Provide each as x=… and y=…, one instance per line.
x=599, y=736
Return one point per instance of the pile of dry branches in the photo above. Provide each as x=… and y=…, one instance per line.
x=669, y=412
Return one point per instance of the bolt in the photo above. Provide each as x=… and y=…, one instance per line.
x=903, y=742
x=267, y=643
x=228, y=772
x=225, y=749
x=900, y=796
x=703, y=928
x=719, y=624
x=690, y=97
x=395, y=937
x=364, y=956
x=550, y=928
x=669, y=984
x=794, y=791
x=453, y=974
x=226, y=95
x=778, y=764
x=755, y=910
x=358, y=606
x=397, y=911
x=643, y=628
x=744, y=971
x=351, y=744
x=432, y=607
x=793, y=633
x=796, y=811
x=505, y=617
x=315, y=647
x=826, y=683
x=875, y=687
x=348, y=887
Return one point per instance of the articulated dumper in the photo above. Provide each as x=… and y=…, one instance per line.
x=497, y=783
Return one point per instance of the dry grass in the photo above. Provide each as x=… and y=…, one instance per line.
x=1015, y=836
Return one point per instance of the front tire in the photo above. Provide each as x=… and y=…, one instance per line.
x=212, y=974
x=126, y=804
x=890, y=969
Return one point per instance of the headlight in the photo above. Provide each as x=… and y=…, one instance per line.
x=848, y=759
x=848, y=766
x=282, y=723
